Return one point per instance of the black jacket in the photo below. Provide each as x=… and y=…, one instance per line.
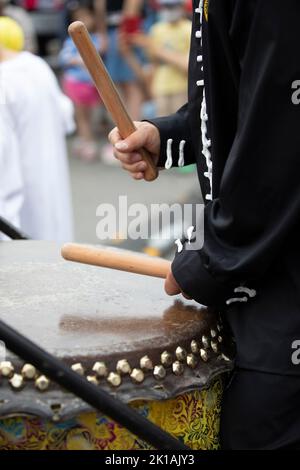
x=251, y=60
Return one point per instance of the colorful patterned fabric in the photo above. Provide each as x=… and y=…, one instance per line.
x=192, y=418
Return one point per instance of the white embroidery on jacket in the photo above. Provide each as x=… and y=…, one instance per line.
x=245, y=290
x=242, y=290
x=169, y=161
x=181, y=153
x=236, y=299
x=179, y=244
x=206, y=143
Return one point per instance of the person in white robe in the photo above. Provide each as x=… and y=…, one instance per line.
x=41, y=116
x=11, y=183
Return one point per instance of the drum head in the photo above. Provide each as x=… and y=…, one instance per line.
x=86, y=314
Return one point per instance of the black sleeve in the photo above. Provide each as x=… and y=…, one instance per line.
x=258, y=205
x=176, y=128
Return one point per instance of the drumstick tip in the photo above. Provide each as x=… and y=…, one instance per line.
x=76, y=27
x=65, y=250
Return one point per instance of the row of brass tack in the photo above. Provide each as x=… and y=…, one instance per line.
x=176, y=362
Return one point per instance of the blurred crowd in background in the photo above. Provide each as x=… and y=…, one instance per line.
x=144, y=44
x=44, y=85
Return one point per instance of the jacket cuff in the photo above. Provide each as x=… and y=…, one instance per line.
x=175, y=148
x=197, y=282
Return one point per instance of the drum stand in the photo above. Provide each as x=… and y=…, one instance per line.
x=10, y=231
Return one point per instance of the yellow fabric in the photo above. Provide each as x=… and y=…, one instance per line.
x=11, y=34
x=192, y=418
x=175, y=37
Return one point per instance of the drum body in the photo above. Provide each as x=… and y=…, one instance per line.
x=165, y=357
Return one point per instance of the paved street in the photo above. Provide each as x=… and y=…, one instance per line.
x=96, y=183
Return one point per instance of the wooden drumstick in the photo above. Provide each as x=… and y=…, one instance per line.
x=123, y=261
x=107, y=90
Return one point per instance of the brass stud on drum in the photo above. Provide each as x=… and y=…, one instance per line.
x=146, y=363
x=42, y=383
x=16, y=381
x=191, y=361
x=180, y=353
x=177, y=368
x=166, y=358
x=123, y=367
x=203, y=355
x=213, y=333
x=159, y=372
x=137, y=375
x=205, y=342
x=219, y=327
x=28, y=371
x=194, y=347
x=114, y=379
x=214, y=346
x=220, y=339
x=6, y=369
x=92, y=379
x=78, y=367
x=100, y=369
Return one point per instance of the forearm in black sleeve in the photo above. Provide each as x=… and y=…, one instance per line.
x=176, y=143
x=258, y=204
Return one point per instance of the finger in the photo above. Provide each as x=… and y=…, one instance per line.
x=171, y=286
x=135, y=141
x=135, y=167
x=138, y=176
x=129, y=158
x=114, y=136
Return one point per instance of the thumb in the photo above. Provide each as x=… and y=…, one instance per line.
x=133, y=142
x=171, y=286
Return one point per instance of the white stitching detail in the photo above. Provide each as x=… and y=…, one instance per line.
x=236, y=299
x=251, y=292
x=201, y=5
x=206, y=142
x=179, y=245
x=181, y=153
x=189, y=233
x=242, y=289
x=169, y=161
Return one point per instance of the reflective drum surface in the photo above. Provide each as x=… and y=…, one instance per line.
x=164, y=356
